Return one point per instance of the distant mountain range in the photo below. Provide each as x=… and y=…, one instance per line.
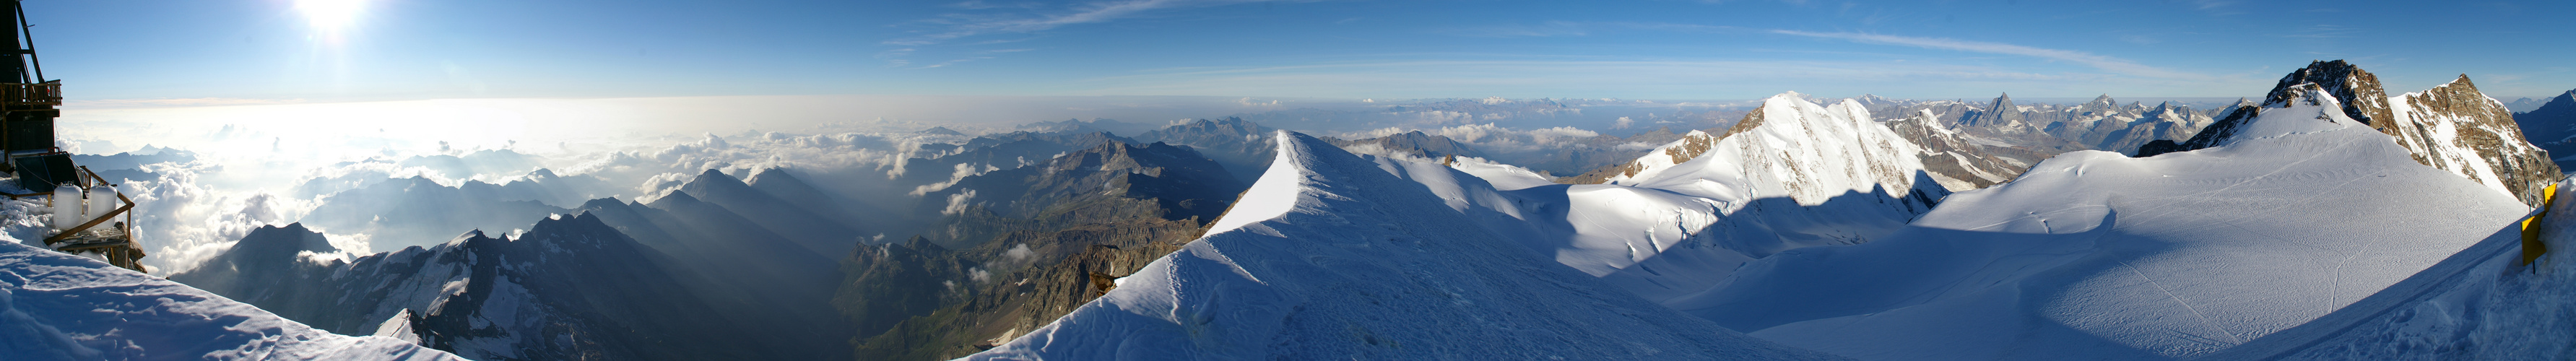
x=1805, y=228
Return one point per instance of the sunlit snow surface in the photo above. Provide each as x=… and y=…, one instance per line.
x=56, y=306
x=1807, y=175
x=1330, y=257
x=2480, y=304
x=2098, y=256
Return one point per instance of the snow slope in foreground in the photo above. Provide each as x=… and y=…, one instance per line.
x=2100, y=256
x=56, y=306
x=2481, y=304
x=1329, y=257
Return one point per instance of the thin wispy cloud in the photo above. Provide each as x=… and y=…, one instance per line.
x=1713, y=79
x=1030, y=19
x=953, y=62
x=1570, y=28
x=961, y=26
x=2105, y=63
x=1547, y=29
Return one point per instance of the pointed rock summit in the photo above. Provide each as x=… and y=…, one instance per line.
x=2001, y=113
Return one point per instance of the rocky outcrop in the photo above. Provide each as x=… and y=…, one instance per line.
x=1948, y=155
x=1023, y=246
x=2456, y=128
x=1690, y=145
x=2359, y=91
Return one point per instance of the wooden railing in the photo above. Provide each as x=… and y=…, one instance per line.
x=46, y=93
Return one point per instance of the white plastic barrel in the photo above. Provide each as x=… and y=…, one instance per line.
x=102, y=199
x=67, y=207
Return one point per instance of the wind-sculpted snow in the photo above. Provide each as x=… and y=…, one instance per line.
x=2098, y=256
x=56, y=306
x=1330, y=257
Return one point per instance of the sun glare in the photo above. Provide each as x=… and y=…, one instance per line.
x=329, y=17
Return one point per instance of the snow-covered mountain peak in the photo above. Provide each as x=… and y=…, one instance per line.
x=1334, y=252
x=1788, y=147
x=2303, y=108
x=460, y=238
x=1273, y=194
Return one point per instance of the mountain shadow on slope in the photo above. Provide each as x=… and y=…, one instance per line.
x=417, y=211
x=571, y=287
x=2553, y=127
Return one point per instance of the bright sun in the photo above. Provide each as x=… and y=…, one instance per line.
x=330, y=16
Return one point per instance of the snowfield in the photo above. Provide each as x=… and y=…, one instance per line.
x=56, y=306
x=2480, y=304
x=2100, y=256
x=1331, y=257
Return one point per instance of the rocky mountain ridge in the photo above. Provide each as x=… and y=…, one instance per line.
x=2451, y=127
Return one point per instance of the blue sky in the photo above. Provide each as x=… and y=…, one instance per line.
x=272, y=50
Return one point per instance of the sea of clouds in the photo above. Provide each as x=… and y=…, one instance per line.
x=223, y=171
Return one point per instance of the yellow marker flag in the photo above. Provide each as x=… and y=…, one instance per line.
x=2531, y=246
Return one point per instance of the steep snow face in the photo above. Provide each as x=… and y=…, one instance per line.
x=2303, y=212
x=1787, y=148
x=1330, y=256
x=56, y=306
x=2456, y=128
